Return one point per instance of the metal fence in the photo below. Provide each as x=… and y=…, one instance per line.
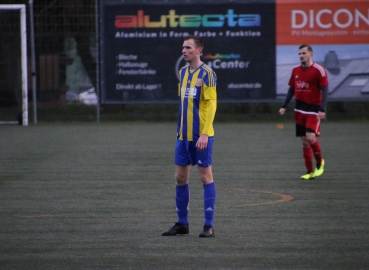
x=65, y=48
x=64, y=39
x=10, y=55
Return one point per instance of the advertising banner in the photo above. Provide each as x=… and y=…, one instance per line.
x=141, y=50
x=338, y=32
x=322, y=22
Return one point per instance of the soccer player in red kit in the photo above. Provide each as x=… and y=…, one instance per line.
x=309, y=85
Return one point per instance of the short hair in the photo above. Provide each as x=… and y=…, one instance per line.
x=197, y=40
x=306, y=46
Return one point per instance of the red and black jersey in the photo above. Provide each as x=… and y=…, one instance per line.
x=308, y=82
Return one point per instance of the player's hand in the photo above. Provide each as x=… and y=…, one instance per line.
x=282, y=111
x=321, y=115
x=202, y=142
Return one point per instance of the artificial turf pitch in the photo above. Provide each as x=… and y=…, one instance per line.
x=98, y=196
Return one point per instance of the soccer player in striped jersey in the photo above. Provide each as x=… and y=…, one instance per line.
x=195, y=135
x=309, y=85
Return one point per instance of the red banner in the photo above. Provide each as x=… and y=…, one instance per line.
x=322, y=22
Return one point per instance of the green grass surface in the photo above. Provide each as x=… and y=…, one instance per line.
x=98, y=196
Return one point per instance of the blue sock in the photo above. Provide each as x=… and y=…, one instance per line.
x=209, y=203
x=182, y=202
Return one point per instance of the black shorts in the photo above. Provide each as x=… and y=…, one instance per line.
x=301, y=131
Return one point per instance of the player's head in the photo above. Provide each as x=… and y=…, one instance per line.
x=306, y=55
x=192, y=48
x=307, y=46
x=197, y=40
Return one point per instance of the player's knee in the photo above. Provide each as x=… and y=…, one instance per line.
x=181, y=179
x=206, y=178
x=305, y=142
x=309, y=139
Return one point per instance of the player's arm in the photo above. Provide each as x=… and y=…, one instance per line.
x=211, y=106
x=289, y=96
x=210, y=99
x=321, y=113
x=325, y=93
x=202, y=142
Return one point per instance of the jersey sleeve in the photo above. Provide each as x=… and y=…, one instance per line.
x=289, y=96
x=210, y=82
x=210, y=101
x=210, y=115
x=291, y=82
x=323, y=79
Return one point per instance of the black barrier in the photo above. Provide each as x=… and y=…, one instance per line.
x=141, y=47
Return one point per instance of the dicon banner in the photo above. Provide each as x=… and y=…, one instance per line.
x=322, y=22
x=141, y=49
x=338, y=32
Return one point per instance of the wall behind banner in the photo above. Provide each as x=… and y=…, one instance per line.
x=339, y=34
x=142, y=43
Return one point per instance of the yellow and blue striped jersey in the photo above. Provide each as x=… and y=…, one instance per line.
x=197, y=92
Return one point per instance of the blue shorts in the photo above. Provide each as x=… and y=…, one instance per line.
x=186, y=153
